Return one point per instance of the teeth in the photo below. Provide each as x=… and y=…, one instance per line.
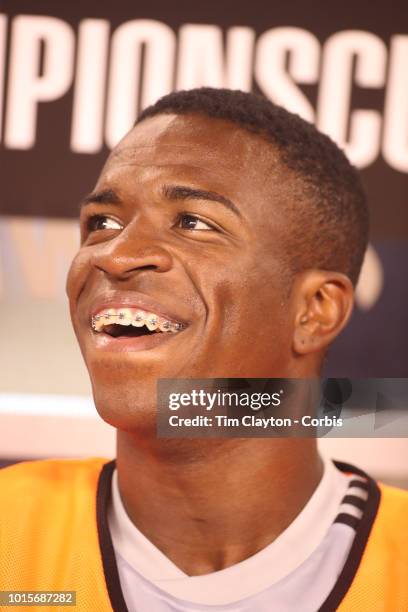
x=139, y=318
x=165, y=326
x=97, y=324
x=125, y=316
x=152, y=322
x=108, y=317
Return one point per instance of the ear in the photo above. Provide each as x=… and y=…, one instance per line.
x=324, y=302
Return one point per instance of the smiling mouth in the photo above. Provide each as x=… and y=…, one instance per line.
x=133, y=323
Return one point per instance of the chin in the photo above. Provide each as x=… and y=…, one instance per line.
x=126, y=415
x=125, y=402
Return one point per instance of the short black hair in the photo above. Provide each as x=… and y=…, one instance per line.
x=328, y=207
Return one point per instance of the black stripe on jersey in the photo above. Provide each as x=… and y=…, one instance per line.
x=110, y=567
x=347, y=519
x=363, y=484
x=363, y=530
x=353, y=500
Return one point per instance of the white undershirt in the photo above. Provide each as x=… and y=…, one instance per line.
x=137, y=556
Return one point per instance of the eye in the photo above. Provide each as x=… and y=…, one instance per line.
x=102, y=222
x=191, y=222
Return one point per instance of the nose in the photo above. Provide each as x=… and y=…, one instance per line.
x=128, y=254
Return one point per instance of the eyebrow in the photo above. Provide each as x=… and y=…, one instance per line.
x=180, y=192
x=171, y=192
x=106, y=196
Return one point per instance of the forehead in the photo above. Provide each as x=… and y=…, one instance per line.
x=199, y=149
x=188, y=137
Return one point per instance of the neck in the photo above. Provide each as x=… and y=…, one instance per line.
x=209, y=504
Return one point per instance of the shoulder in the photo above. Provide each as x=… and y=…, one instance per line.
x=29, y=480
x=380, y=580
x=389, y=535
x=393, y=506
x=47, y=469
x=48, y=525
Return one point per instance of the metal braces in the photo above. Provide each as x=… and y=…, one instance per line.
x=166, y=324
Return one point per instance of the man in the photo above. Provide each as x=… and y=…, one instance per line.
x=223, y=238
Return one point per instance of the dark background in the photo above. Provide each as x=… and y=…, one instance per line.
x=49, y=180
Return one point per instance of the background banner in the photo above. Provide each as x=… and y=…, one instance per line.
x=73, y=77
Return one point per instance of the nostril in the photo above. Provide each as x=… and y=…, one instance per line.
x=129, y=261
x=150, y=267
x=125, y=274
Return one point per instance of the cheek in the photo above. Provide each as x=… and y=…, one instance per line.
x=76, y=281
x=77, y=275
x=250, y=298
x=254, y=316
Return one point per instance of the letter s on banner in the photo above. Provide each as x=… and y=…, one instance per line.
x=277, y=82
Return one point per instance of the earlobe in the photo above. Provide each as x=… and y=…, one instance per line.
x=325, y=304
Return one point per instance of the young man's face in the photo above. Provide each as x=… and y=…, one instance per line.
x=212, y=262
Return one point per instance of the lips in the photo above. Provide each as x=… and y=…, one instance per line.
x=110, y=334
x=105, y=342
